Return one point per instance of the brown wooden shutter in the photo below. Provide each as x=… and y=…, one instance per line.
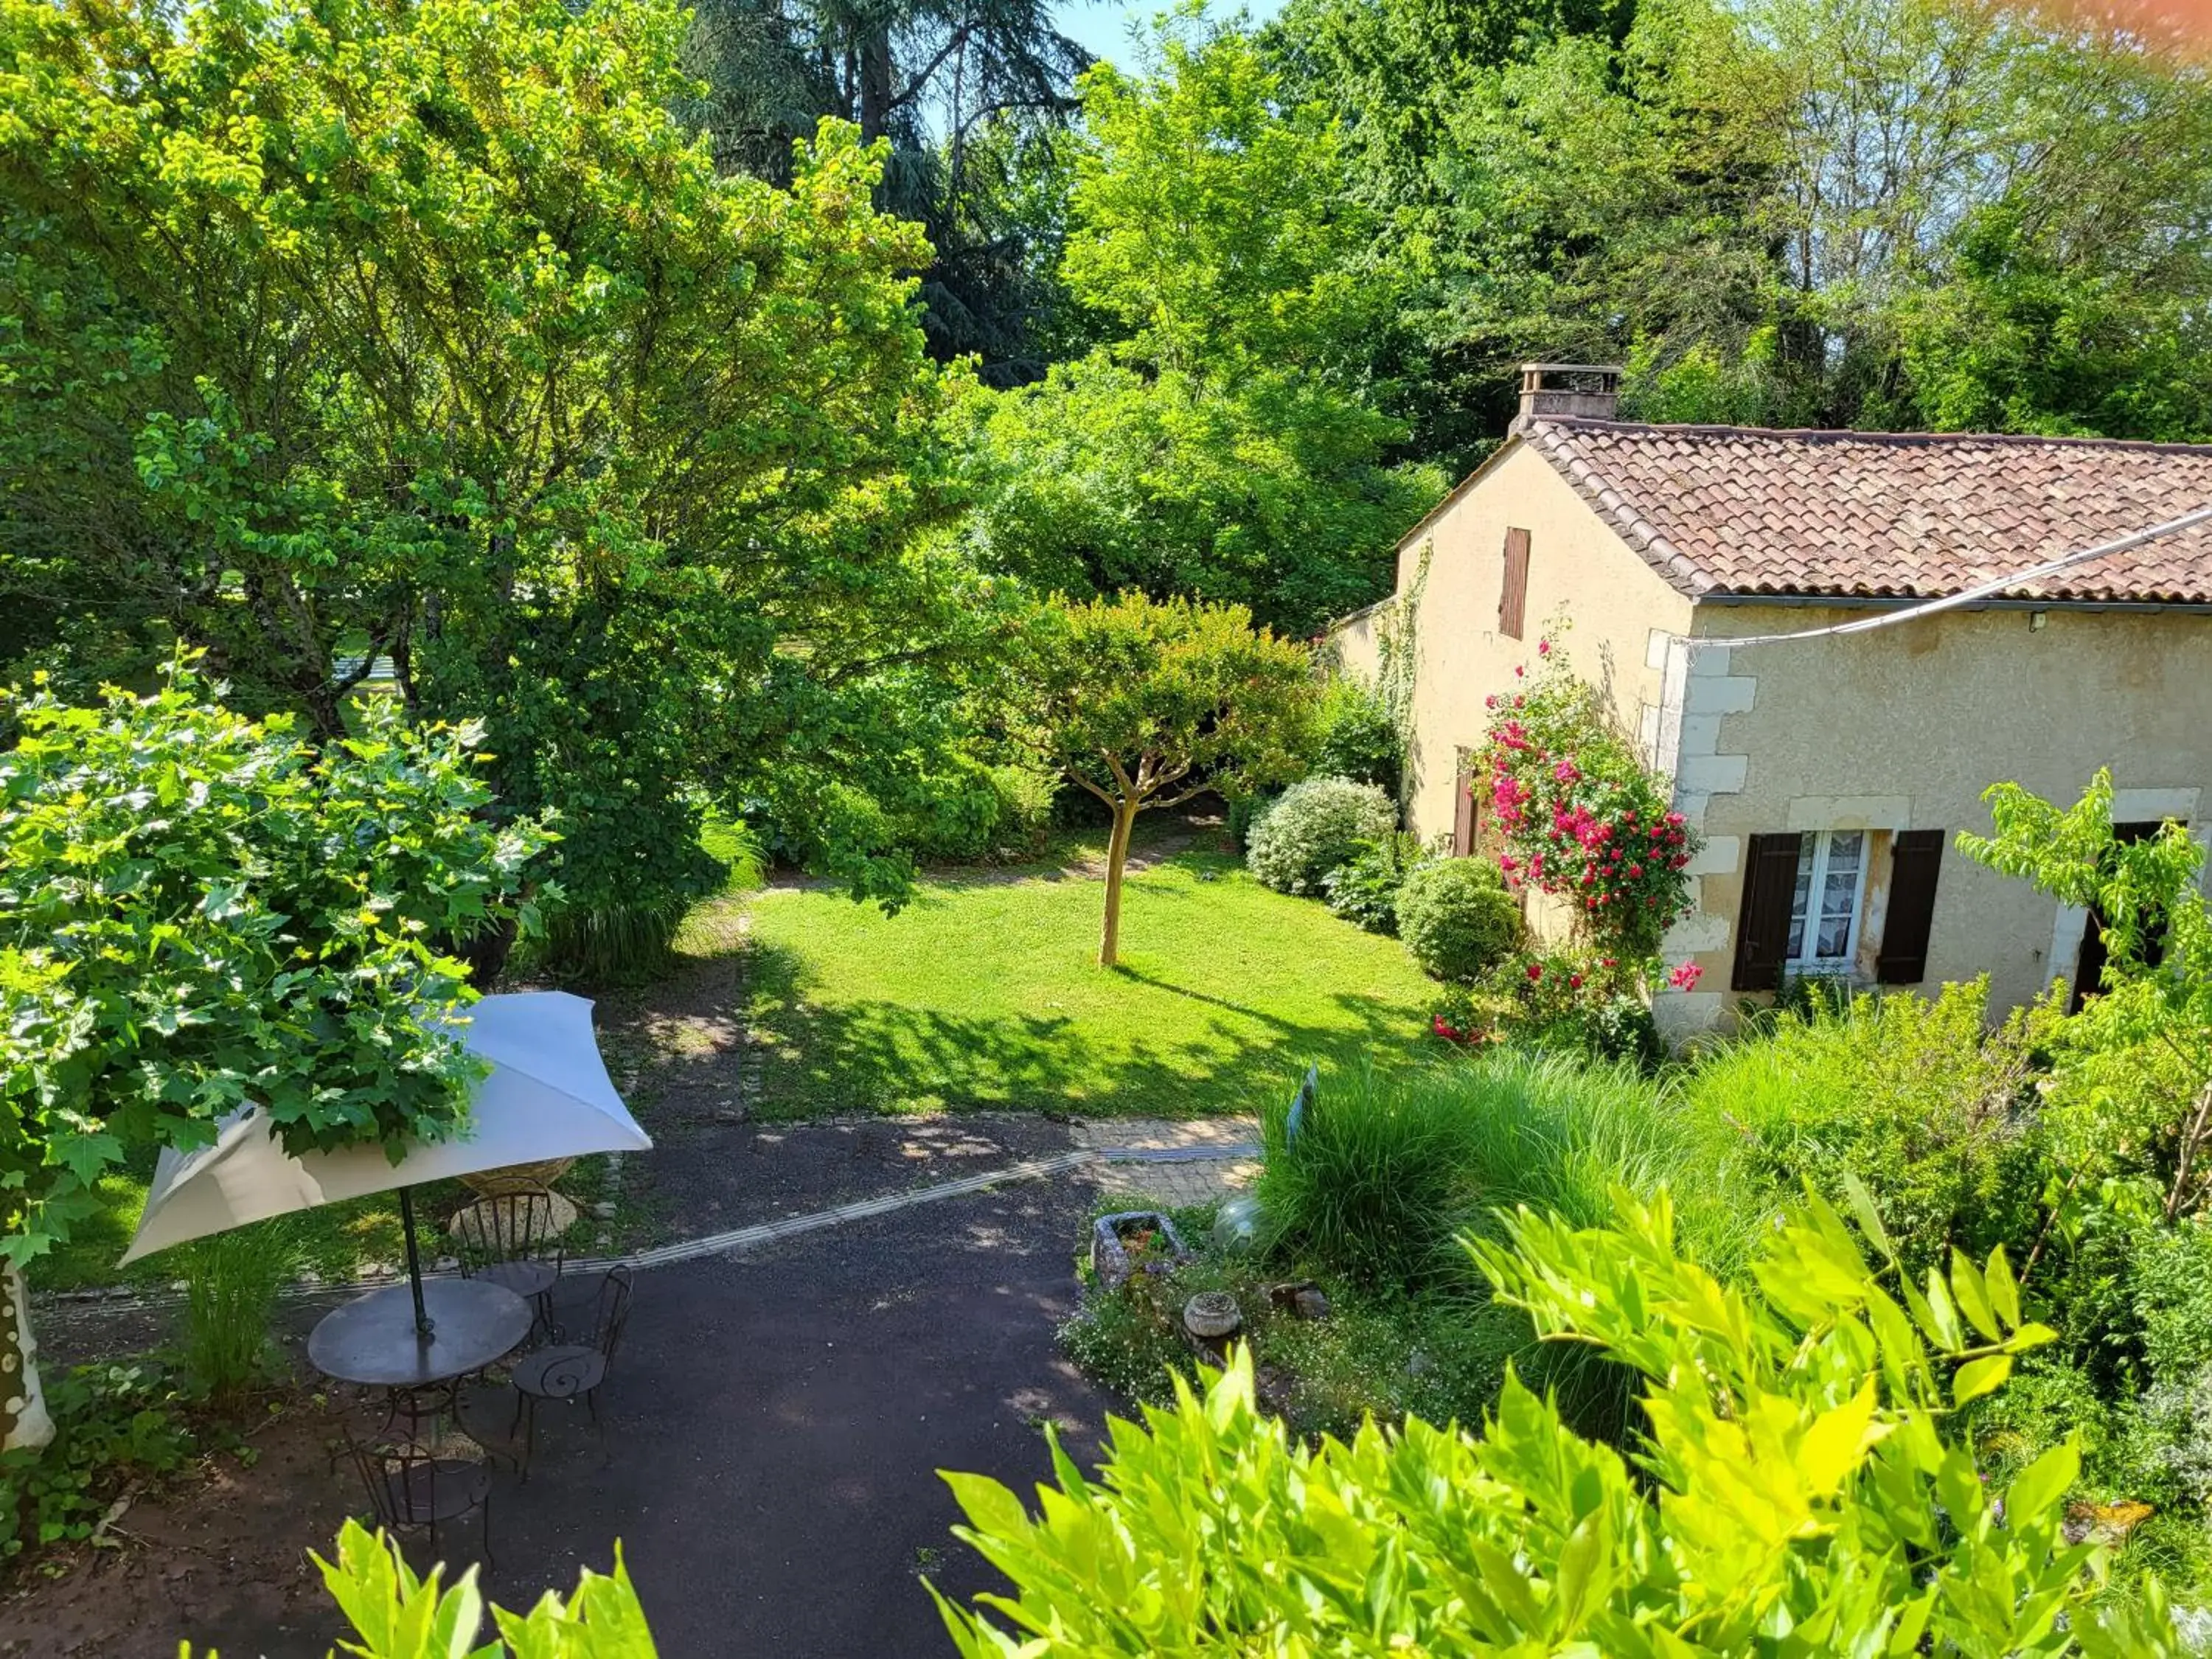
x=1762, y=928
x=1464, y=811
x=1916, y=856
x=2089, y=962
x=1513, y=596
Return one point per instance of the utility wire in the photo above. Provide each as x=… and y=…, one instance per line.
x=1969, y=596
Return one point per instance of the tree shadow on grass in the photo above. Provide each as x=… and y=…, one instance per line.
x=887, y=1057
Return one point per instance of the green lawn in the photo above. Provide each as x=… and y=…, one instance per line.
x=985, y=991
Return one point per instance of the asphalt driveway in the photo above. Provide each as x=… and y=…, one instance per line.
x=774, y=1429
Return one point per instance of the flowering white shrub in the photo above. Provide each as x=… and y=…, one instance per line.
x=1315, y=827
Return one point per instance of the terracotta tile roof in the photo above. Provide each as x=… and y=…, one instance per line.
x=1735, y=510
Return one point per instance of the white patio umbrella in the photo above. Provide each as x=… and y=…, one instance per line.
x=547, y=1095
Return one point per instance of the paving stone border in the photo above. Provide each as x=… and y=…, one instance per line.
x=742, y=1238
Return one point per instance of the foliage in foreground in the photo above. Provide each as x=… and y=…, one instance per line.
x=199, y=911
x=396, y=1615
x=1807, y=1493
x=177, y=938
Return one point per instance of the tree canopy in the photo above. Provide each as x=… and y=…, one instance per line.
x=1146, y=704
x=425, y=333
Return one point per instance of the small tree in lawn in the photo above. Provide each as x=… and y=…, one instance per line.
x=200, y=912
x=1147, y=703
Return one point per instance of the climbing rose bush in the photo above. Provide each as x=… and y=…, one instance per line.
x=1581, y=815
x=1571, y=998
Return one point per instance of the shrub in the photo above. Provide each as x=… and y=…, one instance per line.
x=1571, y=1000
x=1244, y=812
x=1356, y=738
x=983, y=812
x=1803, y=1487
x=2170, y=1283
x=1456, y=917
x=1317, y=825
x=230, y=1293
x=115, y=1426
x=1364, y=890
x=737, y=846
x=1916, y=1097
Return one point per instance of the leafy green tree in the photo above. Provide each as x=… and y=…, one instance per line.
x=1801, y=1490
x=2028, y=337
x=1224, y=444
x=200, y=912
x=2149, y=1037
x=1875, y=213
x=1146, y=704
x=426, y=333
x=1266, y=492
x=972, y=99
x=1212, y=219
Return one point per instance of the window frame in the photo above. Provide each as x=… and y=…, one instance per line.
x=1817, y=845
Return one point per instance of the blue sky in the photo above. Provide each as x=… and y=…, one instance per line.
x=1103, y=25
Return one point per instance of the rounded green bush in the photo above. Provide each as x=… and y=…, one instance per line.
x=1316, y=826
x=1456, y=917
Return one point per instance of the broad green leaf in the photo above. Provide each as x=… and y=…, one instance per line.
x=1979, y=1377
x=2042, y=1484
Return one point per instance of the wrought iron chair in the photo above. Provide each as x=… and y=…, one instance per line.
x=511, y=1239
x=572, y=1371
x=408, y=1487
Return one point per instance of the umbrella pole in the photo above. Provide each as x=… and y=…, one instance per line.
x=423, y=1326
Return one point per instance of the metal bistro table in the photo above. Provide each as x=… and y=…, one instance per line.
x=372, y=1340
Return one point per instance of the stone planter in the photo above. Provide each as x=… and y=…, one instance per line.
x=518, y=1177
x=1210, y=1316
x=1110, y=1237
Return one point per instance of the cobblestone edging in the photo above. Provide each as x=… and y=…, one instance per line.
x=740, y=1238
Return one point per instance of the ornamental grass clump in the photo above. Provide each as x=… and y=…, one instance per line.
x=1387, y=1168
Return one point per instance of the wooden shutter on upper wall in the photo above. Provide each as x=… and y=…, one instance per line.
x=1916, y=858
x=1762, y=928
x=1513, y=597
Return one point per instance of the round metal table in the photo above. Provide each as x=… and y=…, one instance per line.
x=371, y=1339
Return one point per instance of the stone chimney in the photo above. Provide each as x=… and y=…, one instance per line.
x=1587, y=392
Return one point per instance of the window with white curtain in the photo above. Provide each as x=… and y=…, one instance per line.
x=1824, y=909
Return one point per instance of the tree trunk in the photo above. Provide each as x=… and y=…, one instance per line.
x=23, y=1419
x=875, y=84
x=1117, y=855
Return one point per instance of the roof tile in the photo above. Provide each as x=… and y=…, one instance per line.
x=1916, y=515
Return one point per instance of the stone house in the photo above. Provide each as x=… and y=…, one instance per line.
x=1827, y=776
